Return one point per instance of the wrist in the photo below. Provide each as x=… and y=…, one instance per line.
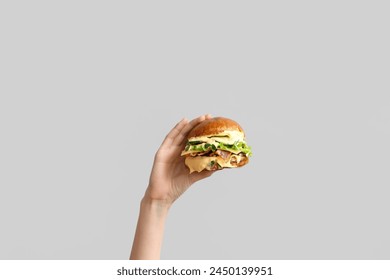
x=158, y=204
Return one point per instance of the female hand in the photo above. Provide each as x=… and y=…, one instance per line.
x=168, y=180
x=170, y=177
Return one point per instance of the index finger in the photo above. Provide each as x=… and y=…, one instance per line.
x=171, y=136
x=182, y=136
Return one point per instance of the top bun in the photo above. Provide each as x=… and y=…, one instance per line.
x=215, y=126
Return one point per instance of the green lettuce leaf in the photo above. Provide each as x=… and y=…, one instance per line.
x=237, y=147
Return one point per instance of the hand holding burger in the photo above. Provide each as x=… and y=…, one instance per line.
x=206, y=144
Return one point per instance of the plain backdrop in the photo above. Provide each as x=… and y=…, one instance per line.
x=89, y=89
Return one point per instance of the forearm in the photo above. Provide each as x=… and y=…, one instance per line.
x=150, y=230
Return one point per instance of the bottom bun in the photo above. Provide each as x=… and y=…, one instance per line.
x=200, y=163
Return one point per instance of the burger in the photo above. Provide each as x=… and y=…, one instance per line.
x=214, y=144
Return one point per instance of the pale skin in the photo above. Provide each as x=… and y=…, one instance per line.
x=169, y=179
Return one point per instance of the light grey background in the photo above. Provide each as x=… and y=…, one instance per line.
x=89, y=90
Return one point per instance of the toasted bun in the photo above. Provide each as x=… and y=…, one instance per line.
x=215, y=126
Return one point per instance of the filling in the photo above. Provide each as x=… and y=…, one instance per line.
x=215, y=152
x=201, y=147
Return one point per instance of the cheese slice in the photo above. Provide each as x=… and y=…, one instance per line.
x=200, y=163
